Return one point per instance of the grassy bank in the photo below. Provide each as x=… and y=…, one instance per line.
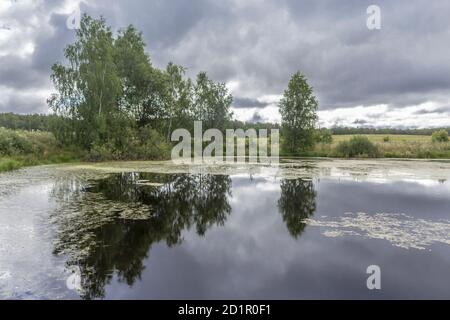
x=390, y=146
x=19, y=148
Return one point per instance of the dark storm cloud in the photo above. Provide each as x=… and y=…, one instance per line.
x=360, y=121
x=441, y=110
x=23, y=103
x=16, y=72
x=34, y=72
x=248, y=103
x=259, y=45
x=50, y=48
x=165, y=24
x=48, y=39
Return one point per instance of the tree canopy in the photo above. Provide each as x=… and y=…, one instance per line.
x=109, y=94
x=298, y=108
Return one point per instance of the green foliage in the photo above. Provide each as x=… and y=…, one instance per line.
x=440, y=136
x=151, y=145
x=236, y=124
x=323, y=135
x=29, y=122
x=211, y=103
x=20, y=148
x=298, y=109
x=89, y=87
x=386, y=139
x=148, y=144
x=109, y=95
x=9, y=164
x=16, y=142
x=144, y=88
x=358, y=146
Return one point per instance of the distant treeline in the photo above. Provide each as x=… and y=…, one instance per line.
x=29, y=122
x=349, y=130
x=42, y=122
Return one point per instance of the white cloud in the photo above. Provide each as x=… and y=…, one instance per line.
x=425, y=115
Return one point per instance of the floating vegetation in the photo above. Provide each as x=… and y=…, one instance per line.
x=289, y=169
x=400, y=230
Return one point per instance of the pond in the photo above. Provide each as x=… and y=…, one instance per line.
x=156, y=230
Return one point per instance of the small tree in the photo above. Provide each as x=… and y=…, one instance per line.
x=298, y=108
x=440, y=136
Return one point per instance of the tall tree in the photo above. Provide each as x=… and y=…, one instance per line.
x=146, y=90
x=298, y=108
x=135, y=70
x=89, y=87
x=179, y=102
x=212, y=103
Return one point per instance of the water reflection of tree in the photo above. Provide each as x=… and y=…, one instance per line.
x=297, y=202
x=112, y=227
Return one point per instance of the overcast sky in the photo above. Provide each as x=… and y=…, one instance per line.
x=397, y=76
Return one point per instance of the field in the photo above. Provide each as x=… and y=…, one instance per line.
x=392, y=146
x=394, y=138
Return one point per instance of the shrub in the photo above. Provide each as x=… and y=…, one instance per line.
x=151, y=145
x=14, y=143
x=357, y=146
x=142, y=144
x=19, y=148
x=440, y=136
x=387, y=139
x=101, y=152
x=323, y=136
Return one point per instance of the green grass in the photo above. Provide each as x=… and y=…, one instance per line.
x=393, y=138
x=19, y=148
x=9, y=164
x=387, y=145
x=396, y=146
x=17, y=162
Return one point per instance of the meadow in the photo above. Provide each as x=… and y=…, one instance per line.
x=391, y=146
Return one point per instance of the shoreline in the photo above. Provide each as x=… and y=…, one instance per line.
x=8, y=164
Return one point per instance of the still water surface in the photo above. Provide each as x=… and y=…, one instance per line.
x=307, y=230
